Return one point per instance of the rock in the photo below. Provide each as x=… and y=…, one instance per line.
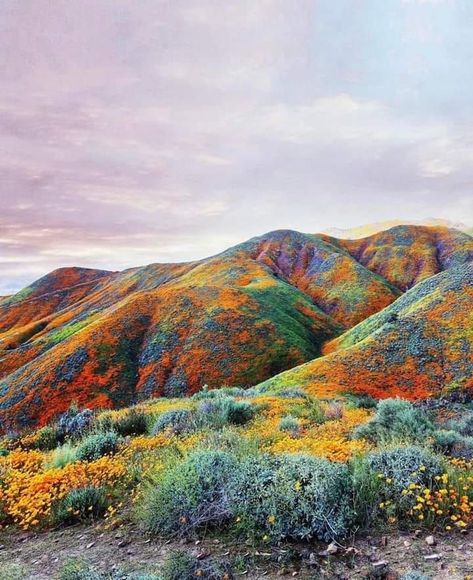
x=431, y=557
x=332, y=548
x=407, y=544
x=123, y=543
x=384, y=540
x=90, y=545
x=380, y=564
x=430, y=540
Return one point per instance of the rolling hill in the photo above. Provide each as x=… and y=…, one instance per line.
x=391, y=312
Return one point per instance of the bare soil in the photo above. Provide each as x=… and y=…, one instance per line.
x=42, y=555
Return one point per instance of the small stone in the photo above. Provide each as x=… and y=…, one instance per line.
x=431, y=557
x=123, y=543
x=430, y=540
x=332, y=548
x=380, y=564
x=407, y=544
x=384, y=541
x=417, y=533
x=90, y=545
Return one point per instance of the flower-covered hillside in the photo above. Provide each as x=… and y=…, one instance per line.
x=421, y=345
x=111, y=339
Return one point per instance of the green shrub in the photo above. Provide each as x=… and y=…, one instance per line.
x=178, y=421
x=464, y=426
x=291, y=393
x=366, y=492
x=396, y=420
x=212, y=413
x=181, y=565
x=13, y=571
x=132, y=423
x=97, y=444
x=48, y=438
x=290, y=424
x=189, y=495
x=80, y=504
x=78, y=569
x=453, y=444
x=405, y=465
x=218, y=412
x=293, y=496
x=414, y=575
x=207, y=393
x=230, y=440
x=313, y=410
x=62, y=456
x=4, y=452
x=360, y=401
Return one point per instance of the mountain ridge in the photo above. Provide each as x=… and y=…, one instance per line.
x=240, y=317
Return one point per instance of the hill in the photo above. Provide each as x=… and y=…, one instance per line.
x=108, y=339
x=419, y=346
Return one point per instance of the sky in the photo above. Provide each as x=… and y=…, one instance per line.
x=139, y=131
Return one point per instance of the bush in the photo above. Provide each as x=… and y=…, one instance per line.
x=80, y=504
x=414, y=575
x=359, y=401
x=207, y=393
x=62, y=456
x=183, y=566
x=454, y=444
x=190, y=494
x=396, y=420
x=178, y=421
x=464, y=426
x=291, y=393
x=366, y=492
x=334, y=411
x=214, y=413
x=290, y=424
x=405, y=465
x=77, y=569
x=13, y=571
x=96, y=445
x=294, y=497
x=223, y=411
x=48, y=438
x=133, y=422
x=74, y=424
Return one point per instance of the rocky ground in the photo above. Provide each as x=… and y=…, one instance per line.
x=41, y=556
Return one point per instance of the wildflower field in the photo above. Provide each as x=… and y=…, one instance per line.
x=269, y=466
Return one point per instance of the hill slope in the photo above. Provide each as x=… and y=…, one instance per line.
x=264, y=306
x=419, y=346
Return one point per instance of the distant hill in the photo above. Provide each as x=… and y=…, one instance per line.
x=275, y=302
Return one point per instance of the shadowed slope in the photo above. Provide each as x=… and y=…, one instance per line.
x=419, y=346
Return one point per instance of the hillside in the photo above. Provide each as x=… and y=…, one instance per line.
x=419, y=346
x=108, y=339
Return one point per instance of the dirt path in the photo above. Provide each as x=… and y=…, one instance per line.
x=41, y=556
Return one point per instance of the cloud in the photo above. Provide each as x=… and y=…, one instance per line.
x=164, y=131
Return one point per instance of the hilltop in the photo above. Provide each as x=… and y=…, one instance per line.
x=390, y=312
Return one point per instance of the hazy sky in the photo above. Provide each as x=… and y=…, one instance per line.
x=134, y=131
